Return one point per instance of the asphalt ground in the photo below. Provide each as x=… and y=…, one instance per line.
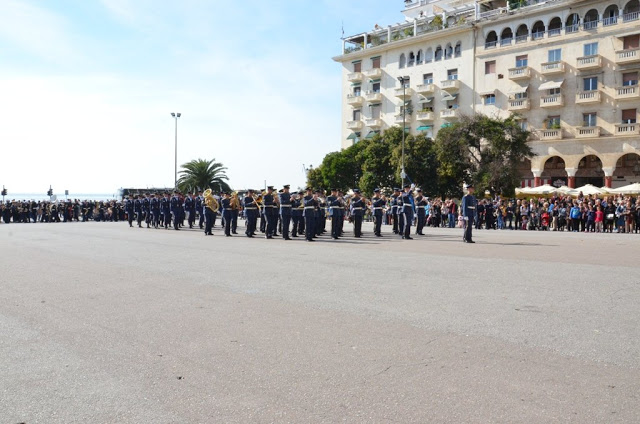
x=102, y=323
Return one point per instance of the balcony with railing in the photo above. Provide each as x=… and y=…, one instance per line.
x=424, y=115
x=588, y=97
x=403, y=92
x=400, y=118
x=624, y=57
x=630, y=17
x=519, y=104
x=373, y=122
x=373, y=73
x=538, y=35
x=552, y=68
x=627, y=129
x=450, y=85
x=522, y=72
x=425, y=88
x=553, y=100
x=449, y=114
x=354, y=77
x=550, y=134
x=372, y=96
x=589, y=62
x=590, y=25
x=355, y=125
x=354, y=100
x=587, y=132
x=628, y=92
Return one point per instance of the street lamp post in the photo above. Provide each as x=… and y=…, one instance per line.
x=175, y=117
x=404, y=118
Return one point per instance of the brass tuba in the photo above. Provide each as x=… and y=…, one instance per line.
x=210, y=201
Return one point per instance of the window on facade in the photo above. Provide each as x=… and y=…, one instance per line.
x=490, y=67
x=452, y=74
x=412, y=59
x=553, y=122
x=555, y=55
x=438, y=54
x=375, y=86
x=419, y=57
x=589, y=119
x=631, y=42
x=590, y=83
x=448, y=52
x=630, y=78
x=357, y=67
x=427, y=79
x=375, y=111
x=458, y=49
x=402, y=62
x=522, y=61
x=523, y=125
x=375, y=62
x=357, y=90
x=591, y=49
x=522, y=95
x=629, y=116
x=428, y=57
x=490, y=99
x=554, y=91
x=357, y=114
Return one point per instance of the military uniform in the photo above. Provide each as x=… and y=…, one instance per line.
x=421, y=214
x=285, y=212
x=377, y=204
x=468, y=210
x=357, y=212
x=297, y=207
x=154, y=206
x=175, y=210
x=128, y=208
x=405, y=206
x=225, y=204
x=310, y=205
x=251, y=213
x=270, y=213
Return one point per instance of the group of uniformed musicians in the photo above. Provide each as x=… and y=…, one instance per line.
x=292, y=214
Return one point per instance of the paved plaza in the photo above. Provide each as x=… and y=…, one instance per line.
x=102, y=323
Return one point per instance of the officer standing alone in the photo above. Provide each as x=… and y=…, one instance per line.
x=469, y=213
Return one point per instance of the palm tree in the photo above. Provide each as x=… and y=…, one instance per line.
x=201, y=174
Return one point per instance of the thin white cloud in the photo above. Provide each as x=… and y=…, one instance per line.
x=37, y=31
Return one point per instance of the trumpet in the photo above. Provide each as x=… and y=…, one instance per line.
x=257, y=200
x=235, y=202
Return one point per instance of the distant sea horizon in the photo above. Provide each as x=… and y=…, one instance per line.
x=61, y=196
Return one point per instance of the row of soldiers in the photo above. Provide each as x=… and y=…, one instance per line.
x=31, y=211
x=291, y=213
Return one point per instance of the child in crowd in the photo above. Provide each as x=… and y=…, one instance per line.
x=591, y=220
x=599, y=220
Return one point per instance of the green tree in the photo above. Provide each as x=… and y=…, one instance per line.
x=421, y=163
x=375, y=159
x=341, y=170
x=481, y=150
x=201, y=174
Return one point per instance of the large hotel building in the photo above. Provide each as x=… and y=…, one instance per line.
x=568, y=68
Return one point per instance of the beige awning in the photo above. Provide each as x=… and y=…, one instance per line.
x=549, y=85
x=486, y=93
x=519, y=90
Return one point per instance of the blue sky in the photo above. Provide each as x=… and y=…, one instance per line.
x=87, y=87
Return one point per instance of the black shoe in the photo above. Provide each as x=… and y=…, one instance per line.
x=470, y=241
x=234, y=232
x=408, y=238
x=287, y=238
x=378, y=235
x=310, y=240
x=268, y=237
x=228, y=235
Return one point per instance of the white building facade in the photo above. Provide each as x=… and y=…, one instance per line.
x=568, y=69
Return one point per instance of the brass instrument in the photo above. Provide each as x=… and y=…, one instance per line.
x=234, y=201
x=257, y=200
x=210, y=201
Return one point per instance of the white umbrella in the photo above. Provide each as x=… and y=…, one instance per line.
x=565, y=189
x=543, y=189
x=628, y=189
x=589, y=189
